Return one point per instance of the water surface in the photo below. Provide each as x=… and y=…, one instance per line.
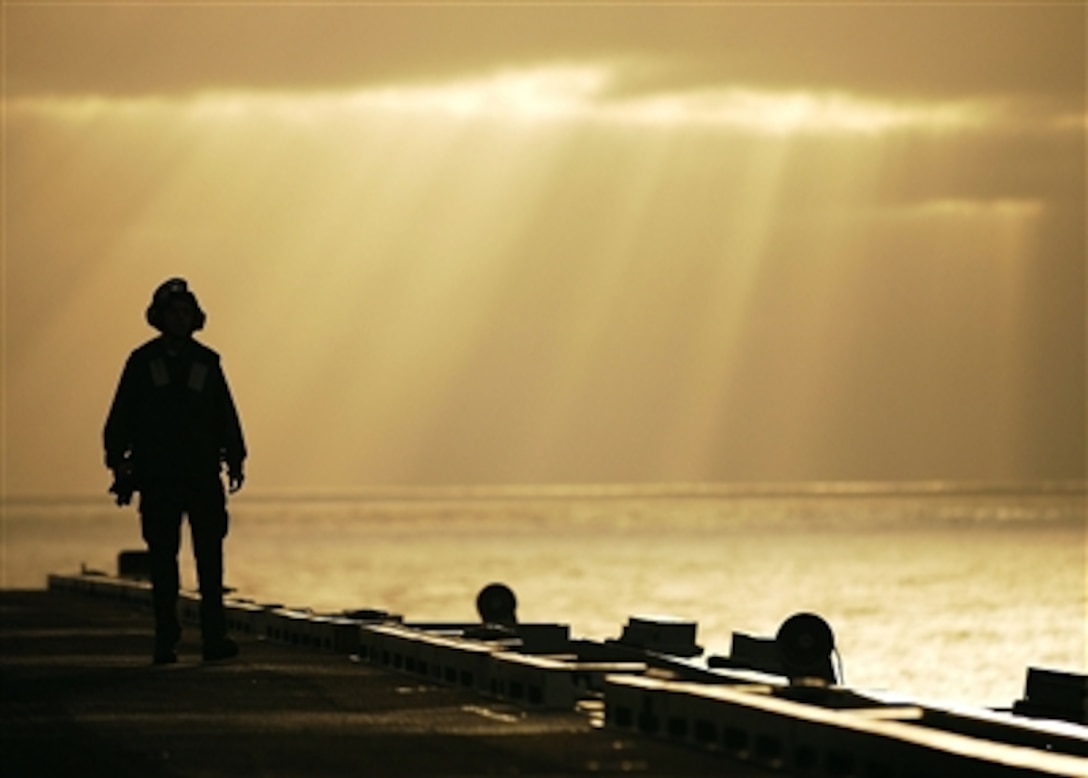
x=947, y=596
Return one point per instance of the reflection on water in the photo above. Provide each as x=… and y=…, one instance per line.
x=942, y=596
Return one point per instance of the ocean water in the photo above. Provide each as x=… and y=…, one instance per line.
x=940, y=594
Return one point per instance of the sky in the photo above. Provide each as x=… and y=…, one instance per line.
x=540, y=243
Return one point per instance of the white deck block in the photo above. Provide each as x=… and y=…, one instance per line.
x=287, y=627
x=553, y=682
x=457, y=661
x=137, y=592
x=806, y=739
x=443, y=658
x=244, y=617
x=334, y=634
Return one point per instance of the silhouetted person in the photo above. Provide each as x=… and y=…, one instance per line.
x=170, y=430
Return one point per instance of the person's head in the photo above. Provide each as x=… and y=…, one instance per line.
x=174, y=310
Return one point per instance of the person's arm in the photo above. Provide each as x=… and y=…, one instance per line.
x=233, y=442
x=117, y=437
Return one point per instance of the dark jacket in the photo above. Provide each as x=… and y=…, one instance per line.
x=174, y=416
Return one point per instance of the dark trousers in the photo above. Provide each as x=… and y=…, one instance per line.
x=162, y=506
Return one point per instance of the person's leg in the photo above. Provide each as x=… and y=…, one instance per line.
x=160, y=521
x=208, y=522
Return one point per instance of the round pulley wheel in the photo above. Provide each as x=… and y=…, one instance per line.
x=805, y=641
x=497, y=604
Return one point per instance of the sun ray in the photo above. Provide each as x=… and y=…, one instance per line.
x=512, y=261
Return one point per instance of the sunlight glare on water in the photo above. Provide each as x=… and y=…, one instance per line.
x=946, y=597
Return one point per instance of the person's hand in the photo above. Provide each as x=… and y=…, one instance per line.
x=124, y=484
x=122, y=495
x=235, y=479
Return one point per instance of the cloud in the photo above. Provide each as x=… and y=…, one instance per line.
x=900, y=51
x=567, y=92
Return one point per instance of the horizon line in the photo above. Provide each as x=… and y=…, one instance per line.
x=604, y=491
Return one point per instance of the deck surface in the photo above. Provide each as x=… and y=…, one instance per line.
x=79, y=696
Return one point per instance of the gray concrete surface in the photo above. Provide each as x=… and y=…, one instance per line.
x=79, y=697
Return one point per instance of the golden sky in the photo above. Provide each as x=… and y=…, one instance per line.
x=539, y=243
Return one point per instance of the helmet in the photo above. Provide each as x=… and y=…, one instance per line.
x=174, y=287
